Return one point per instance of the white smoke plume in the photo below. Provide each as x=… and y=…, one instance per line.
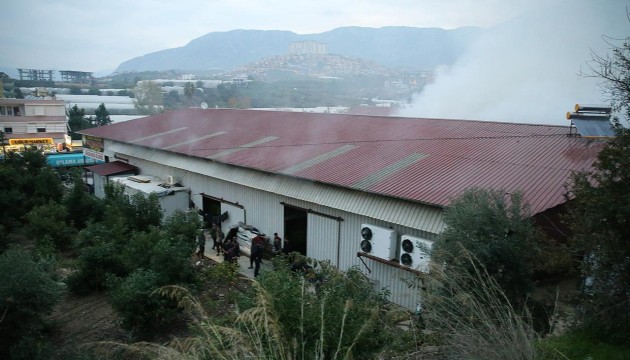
x=527, y=69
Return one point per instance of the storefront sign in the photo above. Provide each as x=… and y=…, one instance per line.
x=32, y=141
x=94, y=154
x=70, y=159
x=94, y=143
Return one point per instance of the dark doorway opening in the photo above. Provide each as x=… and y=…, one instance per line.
x=211, y=208
x=295, y=221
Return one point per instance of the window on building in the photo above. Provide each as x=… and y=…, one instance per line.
x=41, y=129
x=16, y=110
x=8, y=130
x=6, y=110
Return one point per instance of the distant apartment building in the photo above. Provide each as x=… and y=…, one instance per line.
x=66, y=76
x=307, y=48
x=76, y=77
x=40, y=123
x=36, y=74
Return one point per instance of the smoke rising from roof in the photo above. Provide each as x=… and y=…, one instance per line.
x=527, y=69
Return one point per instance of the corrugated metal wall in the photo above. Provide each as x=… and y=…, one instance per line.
x=328, y=239
x=235, y=215
x=387, y=209
x=322, y=238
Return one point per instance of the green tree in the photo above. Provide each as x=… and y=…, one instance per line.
x=28, y=292
x=189, y=91
x=141, y=309
x=81, y=206
x=599, y=218
x=49, y=221
x=132, y=265
x=172, y=100
x=149, y=97
x=77, y=121
x=497, y=229
x=138, y=212
x=102, y=116
x=600, y=212
x=26, y=182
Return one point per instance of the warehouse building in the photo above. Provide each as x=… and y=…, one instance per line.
x=355, y=190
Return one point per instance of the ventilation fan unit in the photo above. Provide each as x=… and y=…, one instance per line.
x=378, y=241
x=415, y=252
x=170, y=180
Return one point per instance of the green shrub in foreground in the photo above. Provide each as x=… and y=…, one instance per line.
x=141, y=309
x=27, y=293
x=581, y=345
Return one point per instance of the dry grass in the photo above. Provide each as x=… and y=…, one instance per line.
x=256, y=334
x=476, y=317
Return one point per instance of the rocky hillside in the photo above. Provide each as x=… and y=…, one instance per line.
x=393, y=47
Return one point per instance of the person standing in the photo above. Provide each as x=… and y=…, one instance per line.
x=213, y=234
x=236, y=249
x=232, y=250
x=220, y=236
x=258, y=247
x=201, y=243
x=277, y=244
x=228, y=253
x=253, y=252
x=287, y=246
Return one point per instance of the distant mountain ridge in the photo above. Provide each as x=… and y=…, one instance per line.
x=394, y=47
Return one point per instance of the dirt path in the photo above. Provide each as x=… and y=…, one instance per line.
x=81, y=320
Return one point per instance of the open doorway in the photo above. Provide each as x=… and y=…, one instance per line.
x=211, y=208
x=295, y=221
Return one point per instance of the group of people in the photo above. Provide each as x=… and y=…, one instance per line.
x=231, y=250
x=230, y=247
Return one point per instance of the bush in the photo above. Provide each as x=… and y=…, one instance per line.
x=182, y=227
x=26, y=182
x=81, y=206
x=140, y=308
x=32, y=347
x=498, y=231
x=50, y=221
x=171, y=261
x=225, y=273
x=95, y=263
x=326, y=312
x=333, y=315
x=27, y=293
x=581, y=345
x=471, y=311
x=111, y=249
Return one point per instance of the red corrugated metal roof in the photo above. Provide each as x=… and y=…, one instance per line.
x=112, y=168
x=426, y=160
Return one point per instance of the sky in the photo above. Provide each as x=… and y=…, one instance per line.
x=527, y=69
x=96, y=35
